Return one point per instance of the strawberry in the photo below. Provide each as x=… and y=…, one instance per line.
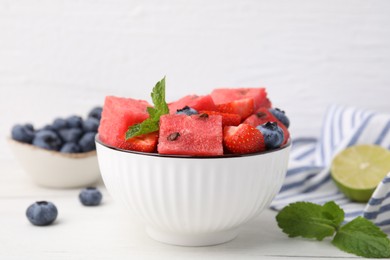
x=227, y=118
x=143, y=143
x=243, y=139
x=243, y=107
x=262, y=116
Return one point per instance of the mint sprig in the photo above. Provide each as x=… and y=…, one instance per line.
x=151, y=124
x=360, y=236
x=310, y=220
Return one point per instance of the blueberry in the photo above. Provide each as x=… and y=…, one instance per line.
x=273, y=134
x=70, y=148
x=96, y=113
x=281, y=116
x=74, y=121
x=42, y=213
x=47, y=139
x=29, y=127
x=71, y=135
x=90, y=196
x=23, y=133
x=87, y=142
x=59, y=124
x=49, y=127
x=91, y=125
x=186, y=111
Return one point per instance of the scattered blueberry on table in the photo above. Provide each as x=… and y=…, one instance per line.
x=66, y=135
x=42, y=213
x=90, y=196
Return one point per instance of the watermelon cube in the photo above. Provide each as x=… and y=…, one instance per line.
x=194, y=101
x=120, y=113
x=227, y=118
x=226, y=95
x=242, y=107
x=196, y=135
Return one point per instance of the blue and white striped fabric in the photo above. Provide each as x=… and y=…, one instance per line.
x=308, y=177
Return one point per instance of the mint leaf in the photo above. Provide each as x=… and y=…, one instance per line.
x=158, y=98
x=147, y=126
x=310, y=220
x=360, y=236
x=363, y=238
x=151, y=124
x=333, y=212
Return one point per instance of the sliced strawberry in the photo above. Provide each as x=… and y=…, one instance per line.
x=144, y=143
x=243, y=107
x=227, y=118
x=263, y=116
x=243, y=139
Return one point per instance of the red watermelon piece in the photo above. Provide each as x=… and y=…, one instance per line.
x=263, y=116
x=242, y=107
x=226, y=95
x=196, y=135
x=120, y=113
x=194, y=101
x=227, y=118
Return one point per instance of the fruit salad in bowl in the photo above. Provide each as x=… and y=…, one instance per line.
x=196, y=169
x=61, y=154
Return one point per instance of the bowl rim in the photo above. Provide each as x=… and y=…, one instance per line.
x=51, y=152
x=97, y=140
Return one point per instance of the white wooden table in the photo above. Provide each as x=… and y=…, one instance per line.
x=108, y=232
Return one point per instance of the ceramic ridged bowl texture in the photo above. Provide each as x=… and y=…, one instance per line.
x=192, y=201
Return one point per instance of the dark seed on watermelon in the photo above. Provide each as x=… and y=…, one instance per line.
x=261, y=114
x=204, y=116
x=173, y=136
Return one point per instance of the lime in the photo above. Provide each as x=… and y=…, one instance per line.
x=358, y=169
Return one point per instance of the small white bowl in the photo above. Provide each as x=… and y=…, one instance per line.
x=54, y=169
x=192, y=201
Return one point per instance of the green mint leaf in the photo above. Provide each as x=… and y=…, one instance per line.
x=158, y=97
x=153, y=113
x=310, y=220
x=151, y=124
x=333, y=212
x=147, y=126
x=363, y=238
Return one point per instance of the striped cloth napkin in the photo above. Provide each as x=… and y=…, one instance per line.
x=308, y=176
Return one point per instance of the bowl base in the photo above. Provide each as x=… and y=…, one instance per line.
x=206, y=239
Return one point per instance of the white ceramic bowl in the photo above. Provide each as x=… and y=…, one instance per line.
x=192, y=201
x=54, y=169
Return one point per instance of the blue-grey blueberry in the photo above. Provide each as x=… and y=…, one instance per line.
x=47, y=139
x=42, y=213
x=90, y=196
x=23, y=133
x=273, y=134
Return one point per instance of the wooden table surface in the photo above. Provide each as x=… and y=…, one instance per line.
x=109, y=232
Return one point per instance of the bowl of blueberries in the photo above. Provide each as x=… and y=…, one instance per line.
x=61, y=154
